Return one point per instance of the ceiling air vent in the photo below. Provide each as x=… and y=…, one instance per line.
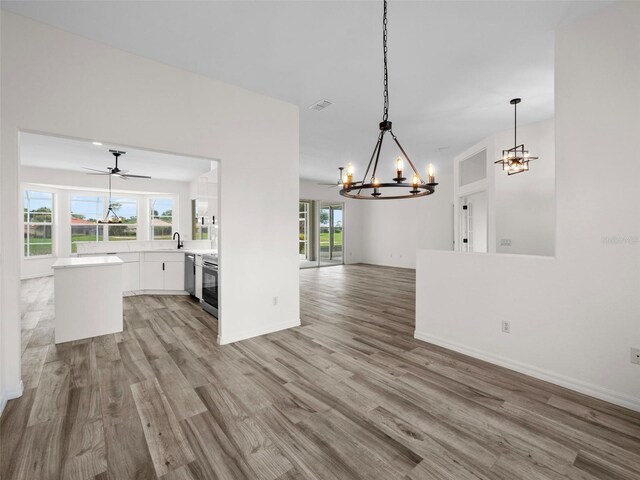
x=321, y=105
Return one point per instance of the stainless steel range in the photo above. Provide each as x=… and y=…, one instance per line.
x=210, y=301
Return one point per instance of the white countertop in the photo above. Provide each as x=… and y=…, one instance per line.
x=76, y=262
x=201, y=251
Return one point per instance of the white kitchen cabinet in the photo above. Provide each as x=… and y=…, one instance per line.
x=153, y=271
x=151, y=275
x=130, y=268
x=131, y=276
x=162, y=271
x=174, y=275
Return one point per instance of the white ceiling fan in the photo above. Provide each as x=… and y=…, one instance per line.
x=115, y=170
x=340, y=181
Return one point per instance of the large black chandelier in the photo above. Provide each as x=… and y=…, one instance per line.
x=515, y=159
x=399, y=188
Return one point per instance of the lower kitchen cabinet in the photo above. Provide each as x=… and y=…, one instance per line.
x=151, y=275
x=131, y=276
x=154, y=271
x=162, y=271
x=174, y=275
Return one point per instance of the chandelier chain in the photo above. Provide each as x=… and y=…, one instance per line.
x=385, y=115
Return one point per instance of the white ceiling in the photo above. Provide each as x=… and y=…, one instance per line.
x=70, y=154
x=454, y=65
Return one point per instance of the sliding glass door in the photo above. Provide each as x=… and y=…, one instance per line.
x=331, y=234
x=320, y=233
x=307, y=234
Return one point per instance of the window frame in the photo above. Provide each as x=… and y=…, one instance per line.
x=151, y=200
x=27, y=224
x=102, y=229
x=106, y=226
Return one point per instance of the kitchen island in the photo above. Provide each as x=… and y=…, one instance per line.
x=88, y=297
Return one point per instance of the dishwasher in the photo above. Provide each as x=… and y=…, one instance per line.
x=190, y=274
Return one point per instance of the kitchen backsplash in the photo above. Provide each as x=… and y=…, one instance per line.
x=139, y=246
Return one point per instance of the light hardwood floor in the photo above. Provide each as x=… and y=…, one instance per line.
x=348, y=395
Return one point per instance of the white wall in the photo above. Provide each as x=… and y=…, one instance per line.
x=310, y=190
x=57, y=83
x=394, y=230
x=521, y=207
x=45, y=179
x=574, y=317
x=4, y=385
x=525, y=203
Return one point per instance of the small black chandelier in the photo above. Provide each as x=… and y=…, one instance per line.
x=515, y=159
x=111, y=216
x=373, y=189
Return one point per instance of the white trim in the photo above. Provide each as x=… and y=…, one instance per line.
x=541, y=374
x=10, y=394
x=36, y=275
x=256, y=332
x=153, y=292
x=40, y=257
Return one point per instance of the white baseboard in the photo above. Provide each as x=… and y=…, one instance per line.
x=133, y=293
x=256, y=332
x=36, y=275
x=539, y=373
x=10, y=394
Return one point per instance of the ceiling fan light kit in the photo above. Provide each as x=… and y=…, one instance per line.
x=398, y=188
x=515, y=159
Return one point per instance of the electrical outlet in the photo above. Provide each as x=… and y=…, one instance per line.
x=275, y=301
x=635, y=356
x=506, y=326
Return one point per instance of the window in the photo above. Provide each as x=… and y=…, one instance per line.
x=127, y=210
x=87, y=210
x=303, y=230
x=200, y=225
x=161, y=214
x=38, y=223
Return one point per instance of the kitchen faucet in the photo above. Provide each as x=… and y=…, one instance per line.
x=180, y=244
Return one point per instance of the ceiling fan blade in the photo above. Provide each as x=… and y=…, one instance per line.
x=123, y=177
x=96, y=170
x=103, y=173
x=134, y=176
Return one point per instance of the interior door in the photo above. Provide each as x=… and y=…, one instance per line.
x=474, y=223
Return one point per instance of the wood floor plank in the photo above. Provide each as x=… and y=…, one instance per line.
x=33, y=361
x=52, y=394
x=13, y=428
x=127, y=451
x=350, y=394
x=182, y=397
x=167, y=445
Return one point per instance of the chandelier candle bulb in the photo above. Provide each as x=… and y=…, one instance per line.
x=431, y=174
x=376, y=183
x=349, y=178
